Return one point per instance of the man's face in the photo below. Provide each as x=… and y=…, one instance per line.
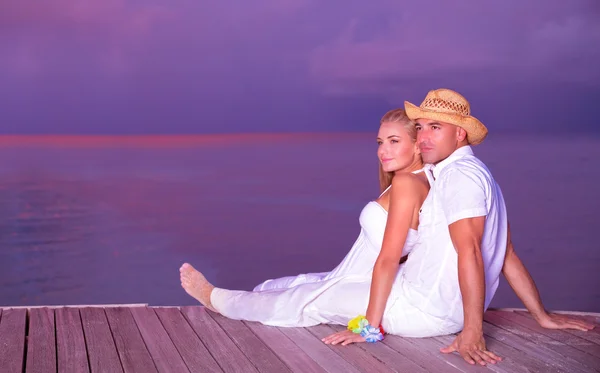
x=437, y=140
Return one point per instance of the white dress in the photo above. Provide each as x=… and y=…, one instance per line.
x=360, y=259
x=332, y=297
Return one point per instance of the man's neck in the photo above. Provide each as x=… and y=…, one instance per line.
x=460, y=145
x=460, y=151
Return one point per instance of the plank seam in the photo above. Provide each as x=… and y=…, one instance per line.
x=171, y=339
x=566, y=363
x=237, y=345
x=113, y=337
x=143, y=340
x=274, y=353
x=26, y=341
x=433, y=353
x=55, y=340
x=87, y=352
x=560, y=343
x=201, y=341
x=338, y=351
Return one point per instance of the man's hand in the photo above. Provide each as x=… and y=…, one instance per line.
x=556, y=321
x=345, y=338
x=471, y=346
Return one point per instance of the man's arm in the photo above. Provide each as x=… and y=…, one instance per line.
x=466, y=235
x=464, y=204
x=522, y=283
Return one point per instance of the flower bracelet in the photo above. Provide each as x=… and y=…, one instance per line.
x=360, y=325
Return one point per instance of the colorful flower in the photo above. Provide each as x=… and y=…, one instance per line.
x=371, y=334
x=357, y=324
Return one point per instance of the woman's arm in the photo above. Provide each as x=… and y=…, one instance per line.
x=404, y=199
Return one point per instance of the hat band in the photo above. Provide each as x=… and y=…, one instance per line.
x=439, y=105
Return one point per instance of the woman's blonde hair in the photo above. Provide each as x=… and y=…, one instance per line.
x=395, y=116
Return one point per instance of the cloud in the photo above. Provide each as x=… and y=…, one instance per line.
x=42, y=35
x=93, y=64
x=558, y=39
x=571, y=45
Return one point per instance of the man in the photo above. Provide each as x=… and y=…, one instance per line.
x=465, y=238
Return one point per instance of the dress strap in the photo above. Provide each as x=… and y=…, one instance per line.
x=386, y=189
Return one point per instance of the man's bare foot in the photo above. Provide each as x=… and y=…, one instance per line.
x=196, y=285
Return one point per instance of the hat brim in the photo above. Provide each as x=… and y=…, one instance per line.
x=476, y=131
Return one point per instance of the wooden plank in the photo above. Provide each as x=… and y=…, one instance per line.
x=253, y=347
x=318, y=351
x=78, y=306
x=289, y=352
x=429, y=359
x=351, y=353
x=165, y=355
x=536, y=351
x=551, y=336
x=591, y=335
x=192, y=350
x=102, y=352
x=568, y=352
x=594, y=320
x=384, y=353
x=41, y=344
x=221, y=347
x=12, y=340
x=131, y=348
x=512, y=360
x=432, y=346
x=70, y=342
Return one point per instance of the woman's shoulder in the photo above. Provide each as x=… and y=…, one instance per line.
x=407, y=183
x=406, y=180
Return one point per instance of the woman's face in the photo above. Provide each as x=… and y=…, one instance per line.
x=396, y=150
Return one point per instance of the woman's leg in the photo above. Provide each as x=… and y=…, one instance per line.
x=331, y=301
x=289, y=281
x=335, y=300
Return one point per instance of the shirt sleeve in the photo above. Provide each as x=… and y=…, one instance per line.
x=463, y=196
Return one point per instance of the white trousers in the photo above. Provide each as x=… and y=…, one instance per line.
x=332, y=301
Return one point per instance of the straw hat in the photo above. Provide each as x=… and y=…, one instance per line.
x=448, y=106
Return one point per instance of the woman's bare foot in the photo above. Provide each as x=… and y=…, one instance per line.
x=196, y=285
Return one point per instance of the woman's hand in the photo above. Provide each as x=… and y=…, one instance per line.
x=345, y=338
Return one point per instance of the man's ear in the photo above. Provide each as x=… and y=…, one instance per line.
x=461, y=134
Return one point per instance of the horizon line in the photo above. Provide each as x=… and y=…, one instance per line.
x=18, y=140
x=194, y=139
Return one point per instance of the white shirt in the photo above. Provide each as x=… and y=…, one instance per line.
x=462, y=187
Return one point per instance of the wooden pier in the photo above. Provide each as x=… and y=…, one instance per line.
x=191, y=339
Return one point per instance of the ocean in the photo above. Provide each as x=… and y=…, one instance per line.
x=106, y=220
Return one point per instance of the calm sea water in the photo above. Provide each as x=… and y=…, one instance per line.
x=111, y=222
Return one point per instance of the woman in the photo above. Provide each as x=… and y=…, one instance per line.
x=361, y=257
x=363, y=280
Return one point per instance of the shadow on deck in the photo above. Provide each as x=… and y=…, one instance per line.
x=192, y=339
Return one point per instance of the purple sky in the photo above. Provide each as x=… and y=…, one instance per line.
x=185, y=66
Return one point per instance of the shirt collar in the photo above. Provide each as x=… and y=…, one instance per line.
x=457, y=154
